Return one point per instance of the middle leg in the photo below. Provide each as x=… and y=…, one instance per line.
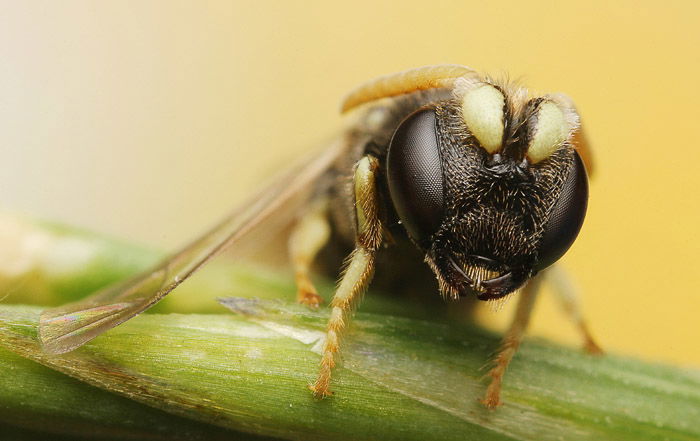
x=310, y=234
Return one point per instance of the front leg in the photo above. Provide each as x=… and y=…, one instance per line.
x=358, y=270
x=511, y=341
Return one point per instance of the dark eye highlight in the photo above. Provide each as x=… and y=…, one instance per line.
x=567, y=216
x=414, y=171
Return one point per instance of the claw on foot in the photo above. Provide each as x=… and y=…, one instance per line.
x=491, y=402
x=309, y=298
x=592, y=348
x=492, y=398
x=589, y=344
x=320, y=392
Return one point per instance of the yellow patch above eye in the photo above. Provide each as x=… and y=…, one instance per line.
x=551, y=130
x=482, y=110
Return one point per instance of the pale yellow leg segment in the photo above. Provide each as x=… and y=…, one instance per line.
x=358, y=272
x=566, y=292
x=310, y=234
x=511, y=342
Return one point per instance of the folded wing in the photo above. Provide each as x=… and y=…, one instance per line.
x=67, y=327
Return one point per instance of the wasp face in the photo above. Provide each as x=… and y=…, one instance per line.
x=489, y=186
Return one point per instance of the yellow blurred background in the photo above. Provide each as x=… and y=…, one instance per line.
x=149, y=120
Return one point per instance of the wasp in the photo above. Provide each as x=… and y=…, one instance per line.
x=488, y=183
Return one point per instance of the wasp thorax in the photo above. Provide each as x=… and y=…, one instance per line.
x=483, y=112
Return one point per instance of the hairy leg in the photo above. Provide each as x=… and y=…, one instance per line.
x=358, y=271
x=567, y=295
x=511, y=342
x=309, y=235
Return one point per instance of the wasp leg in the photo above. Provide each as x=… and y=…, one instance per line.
x=566, y=292
x=511, y=342
x=358, y=270
x=309, y=235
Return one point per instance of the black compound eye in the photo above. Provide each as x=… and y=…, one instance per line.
x=414, y=171
x=567, y=216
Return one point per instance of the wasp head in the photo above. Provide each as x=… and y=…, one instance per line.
x=489, y=185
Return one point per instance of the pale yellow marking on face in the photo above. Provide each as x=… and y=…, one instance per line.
x=482, y=110
x=551, y=131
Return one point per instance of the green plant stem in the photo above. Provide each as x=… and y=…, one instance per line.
x=49, y=264
x=60, y=264
x=402, y=378
x=36, y=401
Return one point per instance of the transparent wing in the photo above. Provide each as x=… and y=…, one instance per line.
x=67, y=327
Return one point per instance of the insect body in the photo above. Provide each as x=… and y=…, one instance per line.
x=484, y=180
